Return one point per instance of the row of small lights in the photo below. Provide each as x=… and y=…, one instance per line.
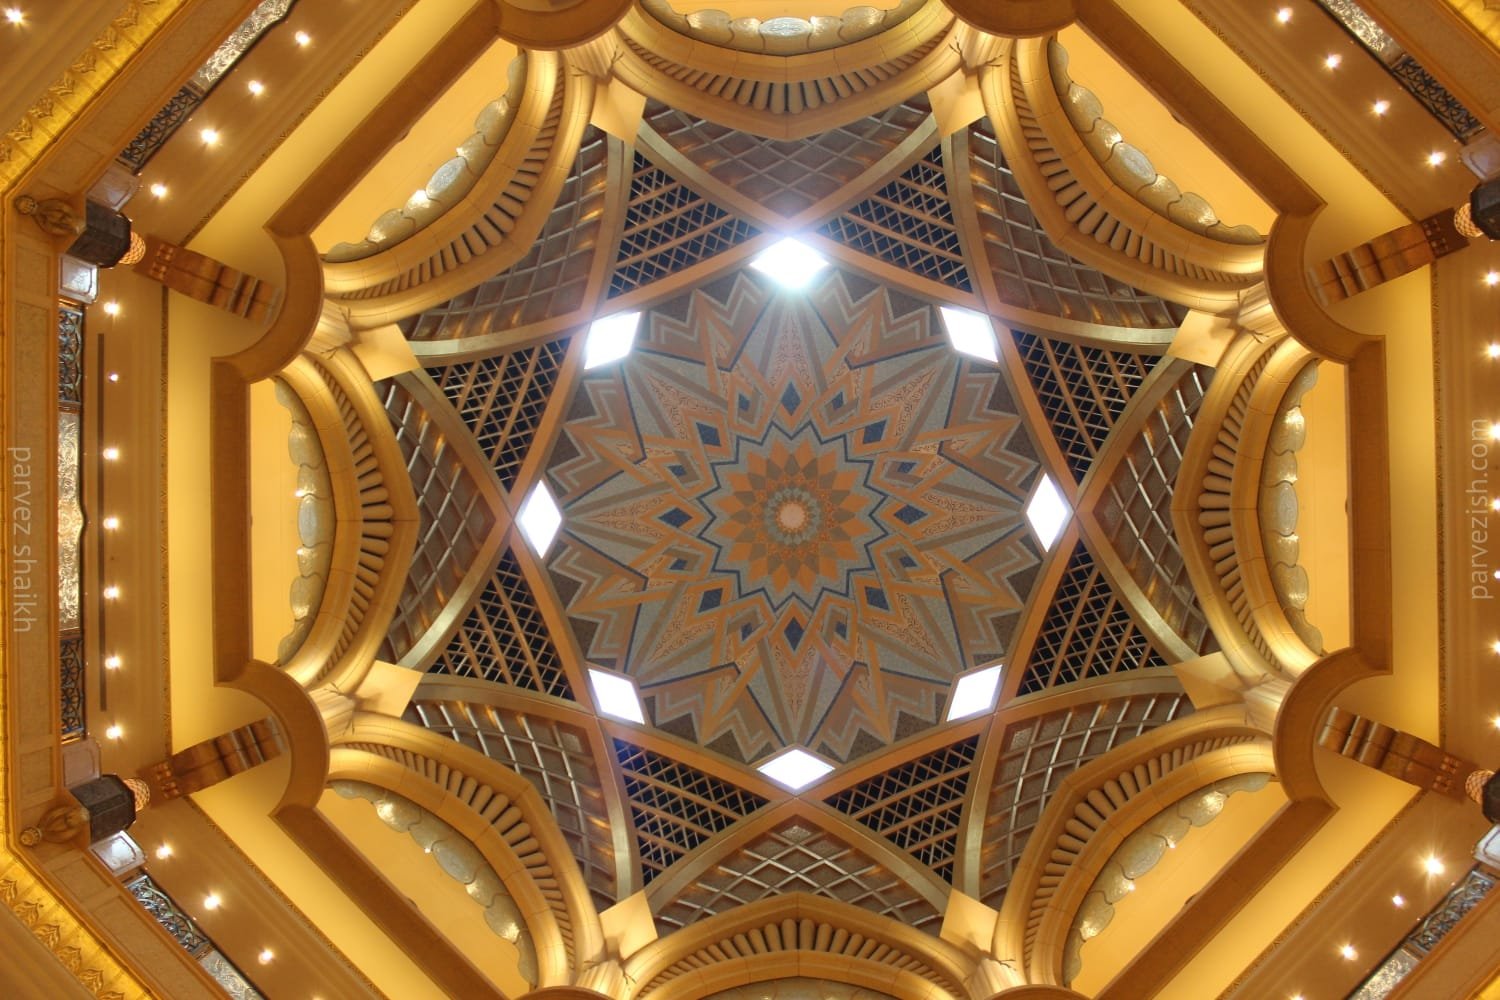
x=794, y=266
x=210, y=135
x=1379, y=108
x=1433, y=866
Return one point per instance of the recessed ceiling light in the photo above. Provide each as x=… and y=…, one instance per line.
x=971, y=333
x=1380, y=107
x=112, y=663
x=610, y=339
x=114, y=732
x=265, y=956
x=1398, y=901
x=302, y=38
x=15, y=15
x=111, y=523
x=1048, y=512
x=1348, y=953
x=211, y=901
x=158, y=190
x=110, y=454
x=111, y=592
x=790, y=263
x=256, y=88
x=540, y=519
x=1332, y=60
x=1284, y=15
x=974, y=693
x=209, y=136
x=164, y=852
x=111, y=308
x=1433, y=864
x=1436, y=158
x=1492, y=278
x=616, y=696
x=795, y=768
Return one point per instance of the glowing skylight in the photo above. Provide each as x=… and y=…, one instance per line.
x=974, y=693
x=540, y=519
x=971, y=333
x=610, y=339
x=790, y=263
x=616, y=696
x=1048, y=512
x=795, y=768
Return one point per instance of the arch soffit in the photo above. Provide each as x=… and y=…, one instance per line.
x=828, y=939
x=466, y=769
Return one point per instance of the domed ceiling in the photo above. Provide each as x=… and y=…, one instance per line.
x=794, y=517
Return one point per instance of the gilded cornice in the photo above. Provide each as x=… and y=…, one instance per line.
x=51, y=114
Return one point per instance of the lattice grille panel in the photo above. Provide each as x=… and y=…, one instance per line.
x=1082, y=390
x=788, y=176
x=908, y=224
x=454, y=519
x=1088, y=632
x=503, y=399
x=555, y=758
x=1030, y=270
x=503, y=638
x=1136, y=510
x=796, y=857
x=669, y=227
x=675, y=807
x=1038, y=754
x=69, y=357
x=550, y=279
x=917, y=805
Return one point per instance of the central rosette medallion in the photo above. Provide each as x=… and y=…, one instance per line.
x=792, y=518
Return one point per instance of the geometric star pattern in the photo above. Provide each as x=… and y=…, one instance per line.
x=794, y=518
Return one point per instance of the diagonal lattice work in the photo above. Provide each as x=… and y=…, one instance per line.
x=788, y=176
x=917, y=804
x=503, y=399
x=504, y=639
x=908, y=224
x=797, y=857
x=1033, y=272
x=1136, y=510
x=1035, y=757
x=550, y=279
x=675, y=807
x=555, y=758
x=454, y=519
x=1083, y=391
x=1088, y=632
x=669, y=227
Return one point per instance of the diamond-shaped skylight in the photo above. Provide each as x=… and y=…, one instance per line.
x=540, y=519
x=790, y=263
x=610, y=339
x=795, y=768
x=616, y=696
x=1048, y=512
x=974, y=693
x=971, y=333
